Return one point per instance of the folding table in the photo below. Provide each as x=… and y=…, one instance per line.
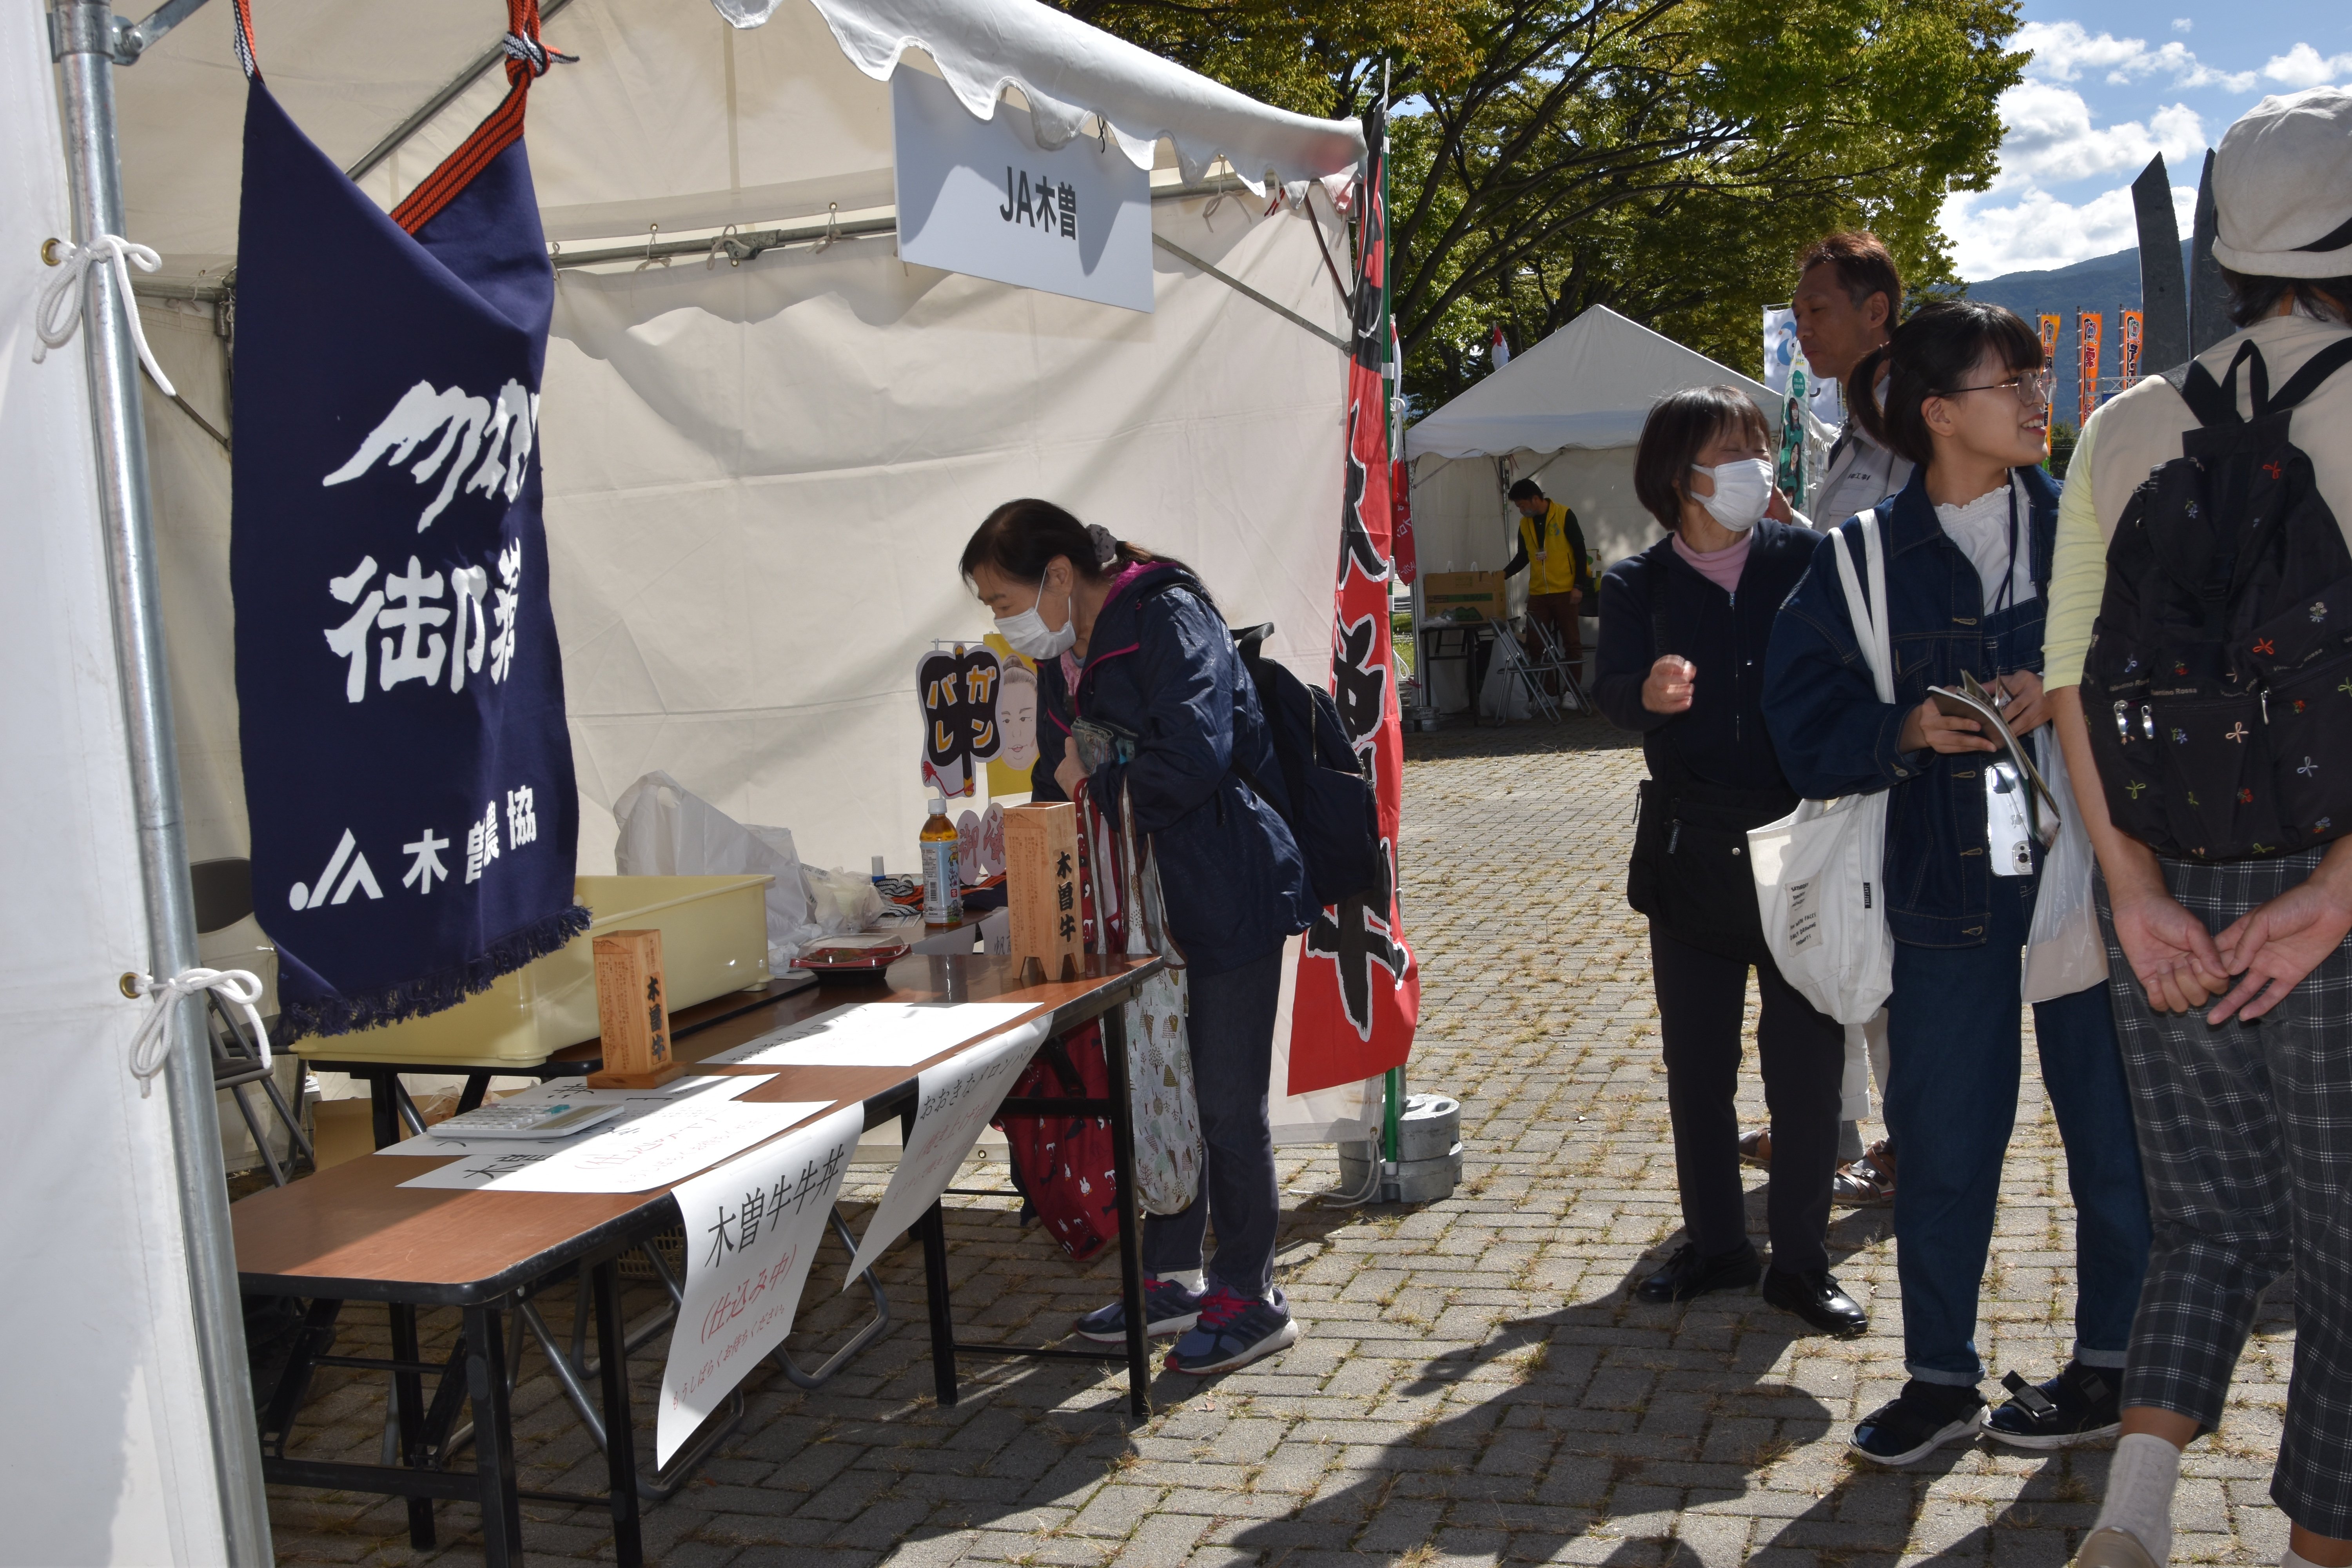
x=354, y=1232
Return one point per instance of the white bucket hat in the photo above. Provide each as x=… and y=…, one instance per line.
x=2282, y=187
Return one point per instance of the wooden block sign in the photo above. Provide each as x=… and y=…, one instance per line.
x=1041, y=887
x=631, y=1013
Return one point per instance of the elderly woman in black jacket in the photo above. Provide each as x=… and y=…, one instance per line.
x=1132, y=641
x=1683, y=627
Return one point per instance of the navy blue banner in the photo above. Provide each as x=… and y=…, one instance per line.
x=407, y=770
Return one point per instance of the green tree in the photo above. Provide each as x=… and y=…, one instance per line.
x=1665, y=158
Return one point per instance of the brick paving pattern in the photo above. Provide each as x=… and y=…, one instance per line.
x=1473, y=1385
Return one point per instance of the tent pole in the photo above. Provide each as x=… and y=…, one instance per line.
x=84, y=38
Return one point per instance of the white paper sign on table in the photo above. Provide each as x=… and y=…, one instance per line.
x=637, y=1103
x=953, y=1102
x=874, y=1035
x=666, y=1145
x=752, y=1228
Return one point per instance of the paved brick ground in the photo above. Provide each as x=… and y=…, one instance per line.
x=1473, y=1385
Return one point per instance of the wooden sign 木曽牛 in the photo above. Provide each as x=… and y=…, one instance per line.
x=632, y=1013
x=1041, y=888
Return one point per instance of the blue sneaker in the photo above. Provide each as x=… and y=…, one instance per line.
x=1233, y=1330
x=1168, y=1308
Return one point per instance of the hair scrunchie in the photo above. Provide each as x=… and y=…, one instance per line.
x=1105, y=547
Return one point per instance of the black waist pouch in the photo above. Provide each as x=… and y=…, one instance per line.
x=1690, y=872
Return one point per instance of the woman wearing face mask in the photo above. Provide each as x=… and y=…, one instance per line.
x=1131, y=641
x=1968, y=551
x=1683, y=627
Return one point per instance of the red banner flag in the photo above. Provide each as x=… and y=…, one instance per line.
x=1357, y=992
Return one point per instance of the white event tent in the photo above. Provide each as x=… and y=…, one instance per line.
x=760, y=469
x=1566, y=413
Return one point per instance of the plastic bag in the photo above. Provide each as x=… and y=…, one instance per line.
x=841, y=902
x=667, y=830
x=2064, y=952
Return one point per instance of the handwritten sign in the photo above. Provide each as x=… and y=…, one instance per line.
x=981, y=197
x=667, y=1144
x=752, y=1228
x=952, y=1102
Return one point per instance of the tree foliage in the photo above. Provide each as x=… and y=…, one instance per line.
x=1665, y=158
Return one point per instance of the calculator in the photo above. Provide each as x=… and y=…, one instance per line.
x=560, y=1120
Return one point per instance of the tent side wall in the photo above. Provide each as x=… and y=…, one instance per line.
x=760, y=478
x=108, y=1451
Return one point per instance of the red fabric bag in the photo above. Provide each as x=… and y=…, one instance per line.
x=1065, y=1165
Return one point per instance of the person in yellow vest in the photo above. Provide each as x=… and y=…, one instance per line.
x=1551, y=549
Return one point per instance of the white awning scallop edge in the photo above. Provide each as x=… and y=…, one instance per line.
x=1068, y=70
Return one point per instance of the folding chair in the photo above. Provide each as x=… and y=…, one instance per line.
x=1510, y=660
x=222, y=893
x=1554, y=660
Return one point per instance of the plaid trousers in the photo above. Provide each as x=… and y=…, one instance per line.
x=2245, y=1133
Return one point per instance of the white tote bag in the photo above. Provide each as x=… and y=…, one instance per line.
x=1819, y=870
x=2064, y=952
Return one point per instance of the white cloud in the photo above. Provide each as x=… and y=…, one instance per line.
x=2036, y=231
x=2183, y=24
x=2303, y=65
x=2048, y=138
x=2064, y=51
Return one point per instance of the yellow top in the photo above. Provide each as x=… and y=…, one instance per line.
x=2078, y=571
x=1556, y=560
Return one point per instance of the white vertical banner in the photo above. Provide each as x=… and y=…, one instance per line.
x=753, y=1226
x=1782, y=352
x=980, y=196
x=952, y=1102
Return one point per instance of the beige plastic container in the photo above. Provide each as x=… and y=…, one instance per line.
x=714, y=939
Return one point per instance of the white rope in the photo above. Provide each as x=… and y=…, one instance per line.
x=61, y=298
x=152, y=1047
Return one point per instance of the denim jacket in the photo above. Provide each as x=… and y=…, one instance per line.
x=1836, y=738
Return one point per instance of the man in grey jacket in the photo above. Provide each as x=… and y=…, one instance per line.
x=1849, y=297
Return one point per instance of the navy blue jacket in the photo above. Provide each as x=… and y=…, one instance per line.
x=1836, y=738
x=1161, y=666
x=1720, y=739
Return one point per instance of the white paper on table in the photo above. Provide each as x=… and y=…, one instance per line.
x=752, y=1228
x=640, y=1103
x=874, y=1035
x=952, y=1102
x=667, y=1144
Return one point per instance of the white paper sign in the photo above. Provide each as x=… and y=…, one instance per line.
x=874, y=1035
x=977, y=196
x=953, y=1101
x=752, y=1228
x=667, y=1144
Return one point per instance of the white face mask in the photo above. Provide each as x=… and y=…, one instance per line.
x=1029, y=635
x=1742, y=491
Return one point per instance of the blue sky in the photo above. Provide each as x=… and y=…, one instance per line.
x=2111, y=85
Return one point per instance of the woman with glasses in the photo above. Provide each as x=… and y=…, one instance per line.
x=1966, y=545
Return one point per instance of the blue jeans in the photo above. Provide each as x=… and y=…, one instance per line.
x=1229, y=1025
x=1955, y=1039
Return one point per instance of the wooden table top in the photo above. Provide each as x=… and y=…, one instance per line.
x=354, y=1232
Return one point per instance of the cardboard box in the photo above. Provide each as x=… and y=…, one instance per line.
x=1041, y=887
x=632, y=1015
x=1463, y=595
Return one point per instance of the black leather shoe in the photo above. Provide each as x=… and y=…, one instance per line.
x=1686, y=1274
x=1815, y=1297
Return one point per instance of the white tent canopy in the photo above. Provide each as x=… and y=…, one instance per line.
x=671, y=117
x=1588, y=385
x=758, y=477
x=1567, y=414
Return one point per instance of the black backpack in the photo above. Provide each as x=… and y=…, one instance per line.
x=2218, y=683
x=1333, y=811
